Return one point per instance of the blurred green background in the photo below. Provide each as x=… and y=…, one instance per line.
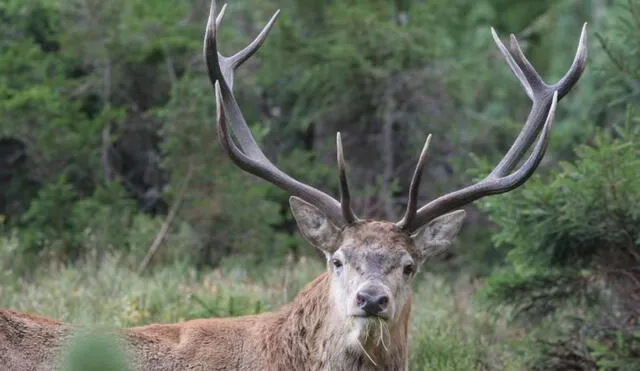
x=107, y=124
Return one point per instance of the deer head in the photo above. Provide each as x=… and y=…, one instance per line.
x=371, y=263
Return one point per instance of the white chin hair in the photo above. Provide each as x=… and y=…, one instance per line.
x=362, y=327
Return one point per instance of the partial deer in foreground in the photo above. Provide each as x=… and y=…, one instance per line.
x=355, y=316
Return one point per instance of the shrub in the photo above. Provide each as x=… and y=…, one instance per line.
x=573, y=240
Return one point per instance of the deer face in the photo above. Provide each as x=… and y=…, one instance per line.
x=371, y=269
x=372, y=263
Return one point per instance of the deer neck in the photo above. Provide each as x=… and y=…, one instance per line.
x=315, y=332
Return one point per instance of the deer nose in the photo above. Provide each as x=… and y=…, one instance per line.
x=372, y=302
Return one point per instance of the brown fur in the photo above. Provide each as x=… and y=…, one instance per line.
x=30, y=342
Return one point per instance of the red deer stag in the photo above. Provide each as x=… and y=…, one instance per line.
x=355, y=315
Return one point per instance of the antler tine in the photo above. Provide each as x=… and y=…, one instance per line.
x=577, y=66
x=210, y=49
x=345, y=195
x=412, y=202
x=240, y=57
x=564, y=85
x=544, y=98
x=515, y=67
x=243, y=150
x=220, y=15
x=226, y=65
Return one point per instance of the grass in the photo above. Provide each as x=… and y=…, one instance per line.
x=107, y=292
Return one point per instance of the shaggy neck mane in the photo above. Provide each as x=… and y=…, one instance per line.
x=309, y=334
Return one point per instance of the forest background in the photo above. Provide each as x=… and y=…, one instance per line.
x=118, y=207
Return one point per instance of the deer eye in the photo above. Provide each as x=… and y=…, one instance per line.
x=336, y=262
x=408, y=270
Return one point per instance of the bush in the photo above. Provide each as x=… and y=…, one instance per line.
x=573, y=240
x=59, y=223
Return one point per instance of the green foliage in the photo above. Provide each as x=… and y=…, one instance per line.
x=51, y=217
x=619, y=64
x=557, y=229
x=439, y=342
x=73, y=69
x=619, y=351
x=223, y=203
x=95, y=352
x=59, y=222
x=344, y=67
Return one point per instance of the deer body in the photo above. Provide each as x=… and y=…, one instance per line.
x=302, y=335
x=310, y=333
x=353, y=317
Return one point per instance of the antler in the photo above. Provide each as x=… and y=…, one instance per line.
x=501, y=179
x=244, y=151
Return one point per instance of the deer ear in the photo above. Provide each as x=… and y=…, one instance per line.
x=316, y=228
x=437, y=236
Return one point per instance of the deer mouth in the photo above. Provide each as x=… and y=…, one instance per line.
x=372, y=316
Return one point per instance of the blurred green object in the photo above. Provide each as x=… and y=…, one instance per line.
x=94, y=350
